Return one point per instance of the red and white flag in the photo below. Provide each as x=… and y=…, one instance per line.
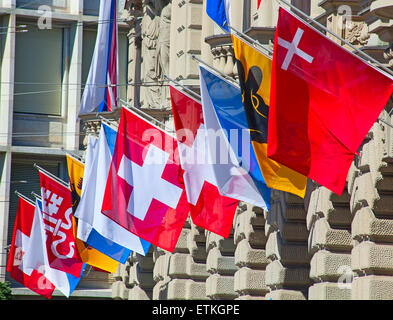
x=145, y=191
x=323, y=101
x=59, y=223
x=209, y=209
x=30, y=278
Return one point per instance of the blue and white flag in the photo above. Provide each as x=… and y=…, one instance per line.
x=101, y=85
x=36, y=257
x=95, y=228
x=223, y=112
x=220, y=12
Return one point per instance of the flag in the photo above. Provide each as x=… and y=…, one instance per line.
x=209, y=209
x=259, y=3
x=88, y=254
x=37, y=256
x=95, y=228
x=220, y=12
x=223, y=109
x=21, y=237
x=254, y=78
x=103, y=73
x=75, y=175
x=59, y=225
x=324, y=100
x=144, y=192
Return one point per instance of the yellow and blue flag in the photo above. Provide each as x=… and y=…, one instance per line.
x=87, y=253
x=255, y=72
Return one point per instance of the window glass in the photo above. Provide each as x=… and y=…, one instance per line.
x=38, y=71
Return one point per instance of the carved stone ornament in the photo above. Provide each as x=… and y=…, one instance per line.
x=155, y=32
x=357, y=33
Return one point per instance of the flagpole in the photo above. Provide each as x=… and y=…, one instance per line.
x=132, y=108
x=36, y=195
x=225, y=76
x=365, y=55
x=108, y=122
x=24, y=197
x=183, y=87
x=51, y=175
x=252, y=42
x=74, y=155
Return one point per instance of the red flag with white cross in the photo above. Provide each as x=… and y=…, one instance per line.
x=323, y=101
x=59, y=223
x=145, y=191
x=209, y=209
x=32, y=279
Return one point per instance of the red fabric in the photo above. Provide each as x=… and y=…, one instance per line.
x=57, y=214
x=112, y=67
x=213, y=211
x=35, y=281
x=259, y=3
x=162, y=224
x=320, y=112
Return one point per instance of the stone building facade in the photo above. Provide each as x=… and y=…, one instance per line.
x=321, y=247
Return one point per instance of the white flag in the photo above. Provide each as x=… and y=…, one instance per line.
x=98, y=162
x=36, y=257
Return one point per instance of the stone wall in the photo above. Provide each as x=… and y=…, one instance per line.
x=323, y=247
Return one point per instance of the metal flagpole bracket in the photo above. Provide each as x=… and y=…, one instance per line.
x=24, y=197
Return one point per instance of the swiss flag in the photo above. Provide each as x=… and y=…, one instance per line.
x=34, y=280
x=323, y=102
x=58, y=219
x=209, y=209
x=145, y=191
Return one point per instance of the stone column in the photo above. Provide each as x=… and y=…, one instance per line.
x=186, y=28
x=287, y=274
x=267, y=14
x=7, y=71
x=250, y=253
x=329, y=222
x=181, y=275
x=207, y=30
x=371, y=206
x=71, y=142
x=221, y=266
x=121, y=278
x=140, y=279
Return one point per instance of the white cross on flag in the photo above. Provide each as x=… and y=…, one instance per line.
x=31, y=278
x=208, y=207
x=145, y=190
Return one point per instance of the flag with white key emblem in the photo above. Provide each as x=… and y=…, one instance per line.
x=323, y=102
x=145, y=191
x=59, y=226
